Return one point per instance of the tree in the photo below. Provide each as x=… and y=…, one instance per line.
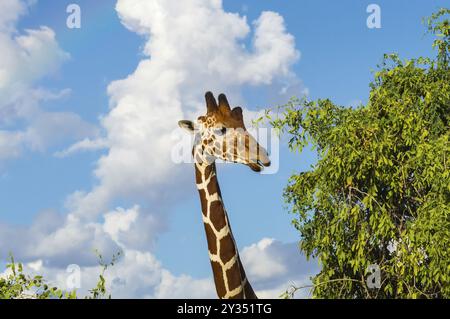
x=379, y=192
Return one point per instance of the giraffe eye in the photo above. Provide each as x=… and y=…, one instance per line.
x=221, y=131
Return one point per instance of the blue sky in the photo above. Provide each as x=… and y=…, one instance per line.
x=337, y=54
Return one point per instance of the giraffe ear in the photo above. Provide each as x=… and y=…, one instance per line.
x=187, y=125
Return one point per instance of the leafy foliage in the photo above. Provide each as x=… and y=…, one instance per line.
x=18, y=285
x=99, y=291
x=379, y=193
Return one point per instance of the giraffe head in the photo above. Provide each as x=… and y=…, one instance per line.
x=221, y=134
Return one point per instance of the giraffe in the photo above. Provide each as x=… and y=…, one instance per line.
x=221, y=134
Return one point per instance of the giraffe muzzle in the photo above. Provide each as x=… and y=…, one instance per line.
x=259, y=160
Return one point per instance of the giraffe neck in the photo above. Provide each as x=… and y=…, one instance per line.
x=229, y=275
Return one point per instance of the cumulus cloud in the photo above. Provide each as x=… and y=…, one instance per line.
x=274, y=266
x=177, y=287
x=191, y=46
x=131, y=228
x=57, y=240
x=11, y=10
x=10, y=144
x=137, y=275
x=27, y=57
x=86, y=144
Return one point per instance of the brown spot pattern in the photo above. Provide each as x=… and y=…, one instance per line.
x=213, y=186
x=218, y=279
x=203, y=202
x=227, y=250
x=234, y=277
x=217, y=215
x=211, y=239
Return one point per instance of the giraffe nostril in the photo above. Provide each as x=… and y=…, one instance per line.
x=263, y=158
x=266, y=164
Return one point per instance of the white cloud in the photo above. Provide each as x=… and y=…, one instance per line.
x=10, y=144
x=137, y=275
x=11, y=10
x=274, y=49
x=25, y=59
x=131, y=228
x=260, y=263
x=35, y=265
x=119, y=221
x=176, y=287
x=273, y=267
x=86, y=144
x=41, y=133
x=191, y=46
x=28, y=57
x=40, y=54
x=57, y=240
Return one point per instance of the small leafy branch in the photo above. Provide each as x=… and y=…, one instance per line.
x=16, y=284
x=100, y=291
x=438, y=25
x=293, y=289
